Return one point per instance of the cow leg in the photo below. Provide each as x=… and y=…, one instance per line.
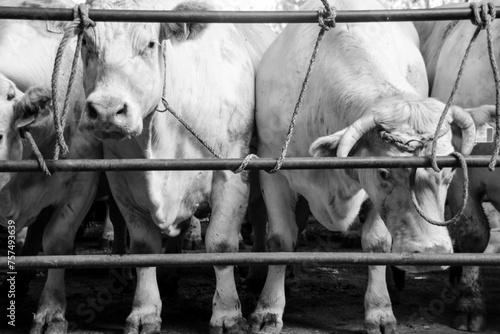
x=472, y=235
x=108, y=234
x=145, y=238
x=282, y=235
x=192, y=238
x=375, y=238
x=229, y=204
x=58, y=239
x=119, y=227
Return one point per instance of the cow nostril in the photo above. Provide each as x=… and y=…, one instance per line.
x=122, y=111
x=92, y=112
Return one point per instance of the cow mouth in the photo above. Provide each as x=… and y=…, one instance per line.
x=111, y=135
x=422, y=269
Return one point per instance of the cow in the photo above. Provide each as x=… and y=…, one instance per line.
x=443, y=46
x=206, y=72
x=367, y=95
x=27, y=54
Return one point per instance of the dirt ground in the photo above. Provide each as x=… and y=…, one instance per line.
x=320, y=300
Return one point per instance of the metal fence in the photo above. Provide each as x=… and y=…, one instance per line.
x=45, y=262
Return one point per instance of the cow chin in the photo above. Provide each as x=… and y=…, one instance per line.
x=407, y=248
x=171, y=230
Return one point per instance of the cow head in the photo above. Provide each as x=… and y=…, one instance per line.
x=404, y=129
x=18, y=112
x=124, y=69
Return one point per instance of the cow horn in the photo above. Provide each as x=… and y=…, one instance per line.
x=354, y=133
x=466, y=123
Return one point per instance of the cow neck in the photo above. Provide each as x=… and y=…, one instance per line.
x=166, y=106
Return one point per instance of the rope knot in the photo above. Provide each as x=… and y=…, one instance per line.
x=326, y=16
x=81, y=13
x=483, y=14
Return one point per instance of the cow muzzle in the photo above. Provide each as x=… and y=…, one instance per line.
x=441, y=248
x=109, y=119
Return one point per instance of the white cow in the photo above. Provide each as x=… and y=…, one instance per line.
x=443, y=46
x=368, y=83
x=27, y=52
x=208, y=77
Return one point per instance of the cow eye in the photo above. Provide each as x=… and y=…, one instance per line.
x=384, y=174
x=11, y=94
x=1, y=138
x=152, y=44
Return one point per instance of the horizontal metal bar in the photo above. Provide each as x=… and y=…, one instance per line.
x=222, y=259
x=233, y=164
x=66, y=14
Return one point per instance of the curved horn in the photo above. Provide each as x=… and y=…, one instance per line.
x=354, y=133
x=464, y=120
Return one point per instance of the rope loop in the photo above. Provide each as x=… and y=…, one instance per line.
x=245, y=163
x=327, y=16
x=465, y=196
x=483, y=14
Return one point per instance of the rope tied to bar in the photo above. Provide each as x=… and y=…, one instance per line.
x=326, y=20
x=483, y=15
x=327, y=16
x=325, y=25
x=80, y=23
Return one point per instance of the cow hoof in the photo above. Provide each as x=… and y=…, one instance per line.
x=473, y=322
x=49, y=324
x=143, y=324
x=381, y=323
x=229, y=325
x=265, y=323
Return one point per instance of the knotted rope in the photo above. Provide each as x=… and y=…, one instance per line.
x=77, y=27
x=326, y=20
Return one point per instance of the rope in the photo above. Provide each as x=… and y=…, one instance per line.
x=78, y=25
x=483, y=15
x=39, y=157
x=189, y=128
x=326, y=20
x=488, y=14
x=465, y=196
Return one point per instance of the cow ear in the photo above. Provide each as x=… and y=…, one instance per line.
x=326, y=146
x=33, y=108
x=186, y=31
